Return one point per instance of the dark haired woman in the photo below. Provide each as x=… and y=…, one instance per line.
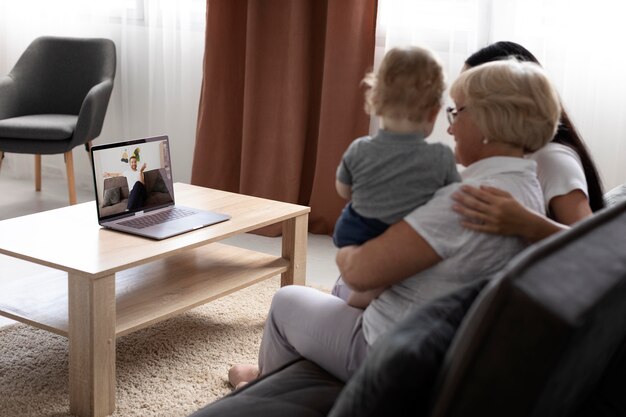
x=570, y=181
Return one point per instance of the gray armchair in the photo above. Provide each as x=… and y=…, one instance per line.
x=55, y=98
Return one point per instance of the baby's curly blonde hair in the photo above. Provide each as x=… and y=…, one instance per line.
x=409, y=84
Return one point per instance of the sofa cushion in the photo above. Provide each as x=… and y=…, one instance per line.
x=401, y=368
x=298, y=389
x=119, y=181
x=111, y=196
x=541, y=336
x=615, y=196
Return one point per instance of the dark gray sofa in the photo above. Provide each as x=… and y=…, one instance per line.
x=547, y=337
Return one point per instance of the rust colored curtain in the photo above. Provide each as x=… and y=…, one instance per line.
x=281, y=99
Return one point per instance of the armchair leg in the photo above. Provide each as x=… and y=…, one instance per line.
x=69, y=165
x=37, y=172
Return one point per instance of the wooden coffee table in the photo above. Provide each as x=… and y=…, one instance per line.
x=61, y=272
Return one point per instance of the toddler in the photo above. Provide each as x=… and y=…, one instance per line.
x=388, y=175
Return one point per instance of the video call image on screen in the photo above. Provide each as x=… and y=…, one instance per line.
x=132, y=178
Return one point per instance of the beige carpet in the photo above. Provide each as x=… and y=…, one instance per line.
x=170, y=369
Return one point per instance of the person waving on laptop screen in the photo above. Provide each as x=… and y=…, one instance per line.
x=135, y=177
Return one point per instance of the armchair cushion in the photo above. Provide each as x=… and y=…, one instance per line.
x=39, y=126
x=401, y=368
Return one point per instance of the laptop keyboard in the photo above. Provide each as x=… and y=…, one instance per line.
x=157, y=218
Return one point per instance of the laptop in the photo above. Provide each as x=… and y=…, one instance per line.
x=135, y=191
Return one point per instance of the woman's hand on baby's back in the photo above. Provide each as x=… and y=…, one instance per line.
x=490, y=210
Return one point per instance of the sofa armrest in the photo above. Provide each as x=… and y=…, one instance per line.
x=541, y=336
x=92, y=113
x=608, y=399
x=9, y=101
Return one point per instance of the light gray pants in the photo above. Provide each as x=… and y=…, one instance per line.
x=340, y=289
x=303, y=321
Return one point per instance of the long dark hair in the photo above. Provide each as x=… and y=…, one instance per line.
x=566, y=134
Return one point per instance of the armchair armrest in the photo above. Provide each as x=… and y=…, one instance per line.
x=9, y=101
x=92, y=112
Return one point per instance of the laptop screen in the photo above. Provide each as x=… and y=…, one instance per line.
x=132, y=176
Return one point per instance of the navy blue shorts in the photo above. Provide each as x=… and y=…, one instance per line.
x=137, y=197
x=353, y=229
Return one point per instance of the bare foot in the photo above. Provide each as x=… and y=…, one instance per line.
x=241, y=384
x=241, y=374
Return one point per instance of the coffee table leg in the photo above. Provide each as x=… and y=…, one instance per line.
x=294, y=250
x=92, y=345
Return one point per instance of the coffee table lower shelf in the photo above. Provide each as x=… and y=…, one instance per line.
x=145, y=295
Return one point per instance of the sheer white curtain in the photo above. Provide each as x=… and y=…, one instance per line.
x=579, y=42
x=160, y=47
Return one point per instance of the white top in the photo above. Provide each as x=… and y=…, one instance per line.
x=559, y=170
x=466, y=255
x=132, y=177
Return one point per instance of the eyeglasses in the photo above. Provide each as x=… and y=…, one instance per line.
x=452, y=113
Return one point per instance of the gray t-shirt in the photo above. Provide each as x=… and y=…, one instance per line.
x=466, y=255
x=392, y=173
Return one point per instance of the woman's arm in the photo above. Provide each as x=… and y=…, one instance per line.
x=491, y=210
x=361, y=299
x=387, y=259
x=570, y=208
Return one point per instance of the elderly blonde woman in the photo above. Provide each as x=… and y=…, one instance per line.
x=502, y=111
x=568, y=175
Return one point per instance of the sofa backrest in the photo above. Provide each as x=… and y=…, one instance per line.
x=615, y=195
x=113, y=182
x=539, y=337
x=154, y=181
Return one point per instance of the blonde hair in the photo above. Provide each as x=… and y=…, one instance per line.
x=510, y=101
x=409, y=83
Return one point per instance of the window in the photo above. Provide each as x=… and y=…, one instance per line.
x=579, y=43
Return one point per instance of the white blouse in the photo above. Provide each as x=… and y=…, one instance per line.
x=559, y=170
